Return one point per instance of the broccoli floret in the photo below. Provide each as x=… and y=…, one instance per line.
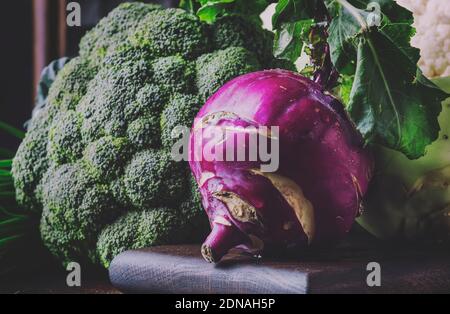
x=108, y=94
x=125, y=55
x=171, y=32
x=106, y=158
x=113, y=30
x=75, y=208
x=119, y=192
x=217, y=68
x=234, y=31
x=71, y=84
x=173, y=69
x=153, y=226
x=31, y=161
x=137, y=230
x=180, y=111
x=97, y=159
x=150, y=100
x=118, y=237
x=192, y=210
x=144, y=132
x=65, y=142
x=153, y=178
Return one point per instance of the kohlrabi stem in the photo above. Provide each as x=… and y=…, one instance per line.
x=222, y=239
x=326, y=75
x=354, y=12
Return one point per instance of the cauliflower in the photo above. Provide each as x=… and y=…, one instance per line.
x=432, y=22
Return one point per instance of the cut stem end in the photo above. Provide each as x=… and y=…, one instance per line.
x=220, y=241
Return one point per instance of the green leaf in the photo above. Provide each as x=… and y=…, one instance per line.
x=212, y=2
x=250, y=9
x=9, y=213
x=292, y=23
x=5, y=173
x=342, y=34
x=4, y=194
x=12, y=221
x=293, y=11
x=6, y=180
x=12, y=130
x=344, y=88
x=348, y=22
x=211, y=9
x=189, y=5
x=13, y=225
x=400, y=34
x=389, y=102
x=6, y=163
x=8, y=240
x=6, y=186
x=290, y=38
x=209, y=13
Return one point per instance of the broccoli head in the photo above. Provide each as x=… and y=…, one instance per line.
x=96, y=161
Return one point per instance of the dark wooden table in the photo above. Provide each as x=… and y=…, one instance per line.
x=340, y=270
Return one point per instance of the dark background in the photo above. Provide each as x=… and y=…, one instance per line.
x=18, y=56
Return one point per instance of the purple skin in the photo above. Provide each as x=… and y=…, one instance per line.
x=321, y=153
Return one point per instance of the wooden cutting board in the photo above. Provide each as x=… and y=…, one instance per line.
x=180, y=269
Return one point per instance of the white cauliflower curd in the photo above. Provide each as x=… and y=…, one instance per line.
x=432, y=23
